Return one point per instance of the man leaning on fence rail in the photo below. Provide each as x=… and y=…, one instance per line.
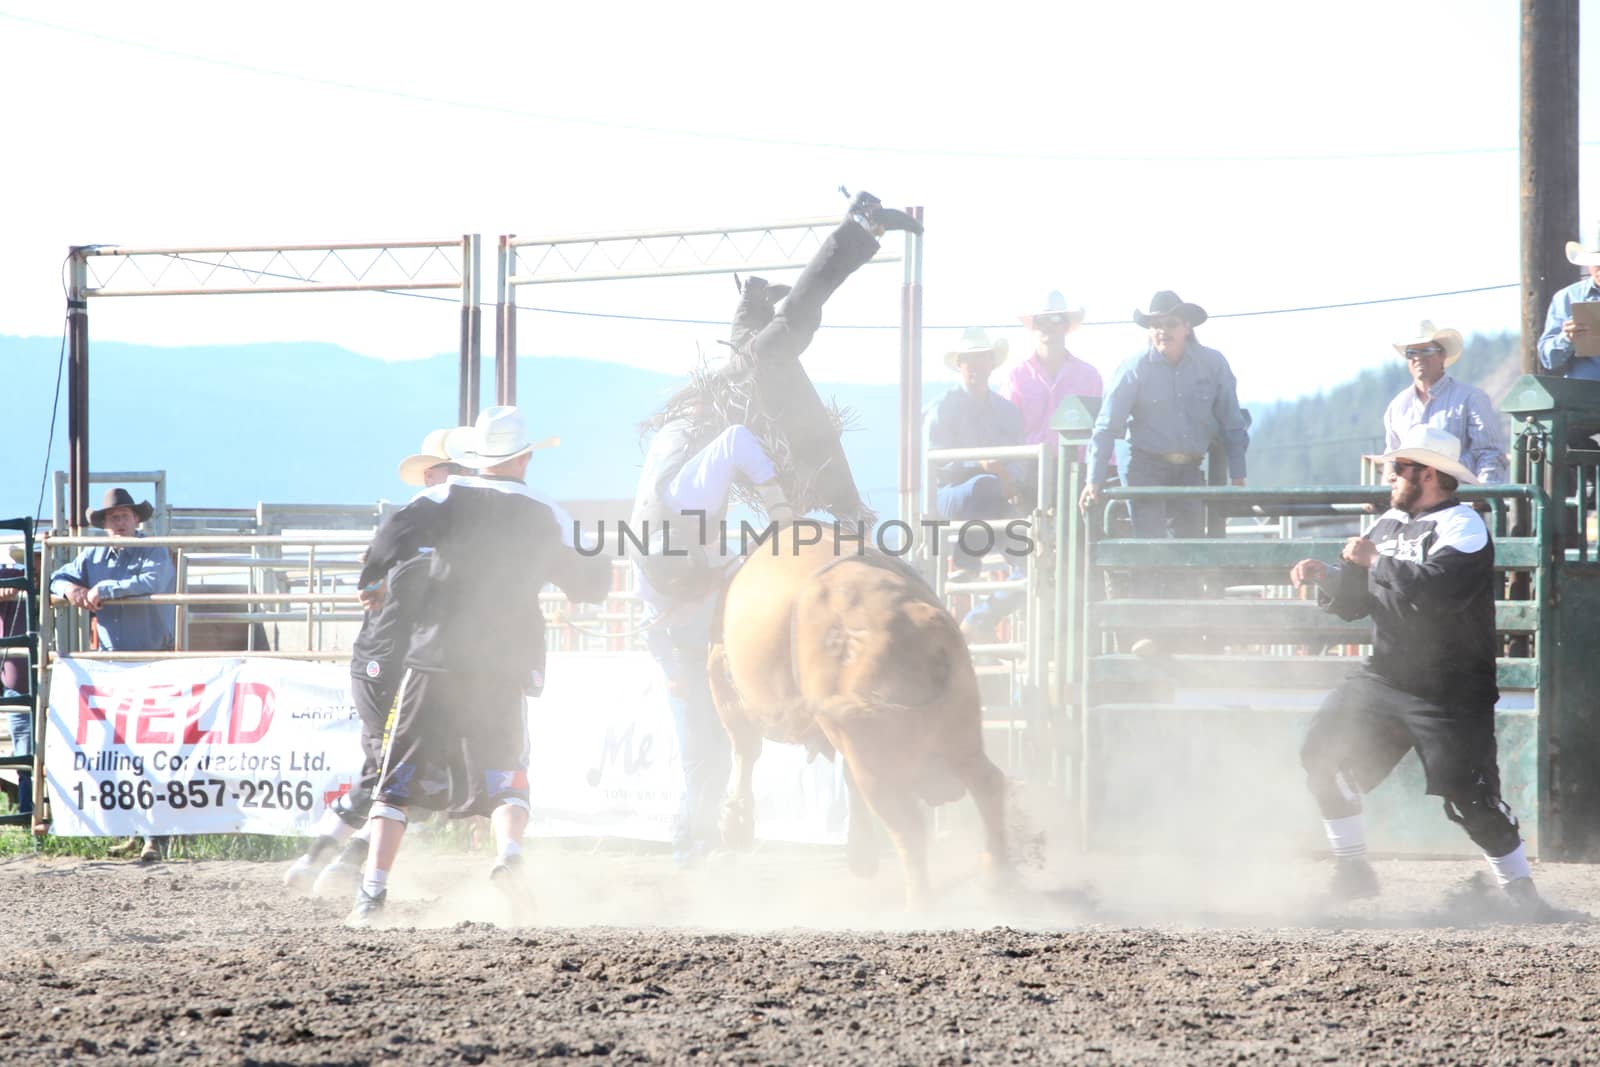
x=102, y=578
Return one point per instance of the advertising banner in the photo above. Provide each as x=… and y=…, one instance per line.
x=205, y=746
x=261, y=746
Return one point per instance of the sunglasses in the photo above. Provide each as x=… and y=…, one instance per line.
x=1404, y=467
x=1424, y=353
x=1167, y=322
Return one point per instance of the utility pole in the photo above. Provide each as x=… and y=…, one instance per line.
x=1548, y=167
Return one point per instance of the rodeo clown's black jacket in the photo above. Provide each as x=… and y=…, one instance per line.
x=1431, y=597
x=495, y=545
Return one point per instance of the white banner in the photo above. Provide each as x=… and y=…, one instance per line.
x=206, y=746
x=263, y=746
x=604, y=760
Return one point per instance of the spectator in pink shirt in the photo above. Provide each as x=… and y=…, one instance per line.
x=1039, y=383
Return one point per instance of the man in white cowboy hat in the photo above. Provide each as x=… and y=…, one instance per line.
x=1562, y=332
x=475, y=647
x=1425, y=575
x=1051, y=373
x=377, y=658
x=1439, y=400
x=111, y=582
x=971, y=415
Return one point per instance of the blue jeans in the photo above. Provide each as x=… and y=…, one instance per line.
x=22, y=745
x=679, y=644
x=1164, y=518
x=979, y=497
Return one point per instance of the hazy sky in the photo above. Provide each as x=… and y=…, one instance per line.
x=1250, y=155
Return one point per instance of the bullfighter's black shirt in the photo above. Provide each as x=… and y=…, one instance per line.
x=1430, y=595
x=495, y=545
x=379, y=649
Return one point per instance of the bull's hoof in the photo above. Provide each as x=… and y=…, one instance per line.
x=738, y=828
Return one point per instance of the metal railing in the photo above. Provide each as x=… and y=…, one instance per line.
x=313, y=613
x=1021, y=662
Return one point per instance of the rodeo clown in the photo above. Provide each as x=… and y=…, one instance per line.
x=753, y=426
x=377, y=660
x=475, y=647
x=1425, y=575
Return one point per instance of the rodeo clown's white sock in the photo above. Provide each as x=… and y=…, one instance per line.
x=1347, y=837
x=374, y=881
x=1510, y=867
x=333, y=827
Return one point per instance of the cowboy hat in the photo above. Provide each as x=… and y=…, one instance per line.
x=975, y=341
x=1055, y=306
x=18, y=553
x=1427, y=333
x=499, y=436
x=432, y=453
x=1433, y=447
x=1166, y=302
x=118, y=498
x=1585, y=255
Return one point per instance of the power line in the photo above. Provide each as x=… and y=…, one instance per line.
x=776, y=142
x=624, y=317
x=55, y=404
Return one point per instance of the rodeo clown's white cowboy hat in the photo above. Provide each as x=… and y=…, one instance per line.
x=499, y=436
x=1585, y=255
x=1427, y=334
x=975, y=342
x=432, y=453
x=1433, y=447
x=1055, y=307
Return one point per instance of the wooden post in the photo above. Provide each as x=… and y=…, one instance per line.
x=1548, y=169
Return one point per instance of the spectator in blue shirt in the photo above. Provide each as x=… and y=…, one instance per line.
x=1173, y=400
x=102, y=575
x=1556, y=344
x=1461, y=410
x=971, y=415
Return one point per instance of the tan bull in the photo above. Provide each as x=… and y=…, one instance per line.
x=855, y=655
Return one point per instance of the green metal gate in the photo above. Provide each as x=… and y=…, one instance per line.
x=1199, y=745
x=26, y=646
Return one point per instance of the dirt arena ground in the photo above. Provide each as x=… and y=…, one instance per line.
x=781, y=957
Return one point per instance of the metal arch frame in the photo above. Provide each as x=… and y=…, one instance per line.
x=284, y=271
x=720, y=250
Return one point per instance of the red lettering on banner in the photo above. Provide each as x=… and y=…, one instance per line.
x=88, y=712
x=144, y=732
x=155, y=704
x=247, y=696
x=193, y=735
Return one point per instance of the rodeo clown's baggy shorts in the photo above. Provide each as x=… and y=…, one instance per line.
x=459, y=744
x=374, y=695
x=1366, y=725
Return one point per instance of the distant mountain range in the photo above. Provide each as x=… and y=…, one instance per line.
x=315, y=423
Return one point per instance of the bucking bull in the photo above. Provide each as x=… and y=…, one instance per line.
x=855, y=655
